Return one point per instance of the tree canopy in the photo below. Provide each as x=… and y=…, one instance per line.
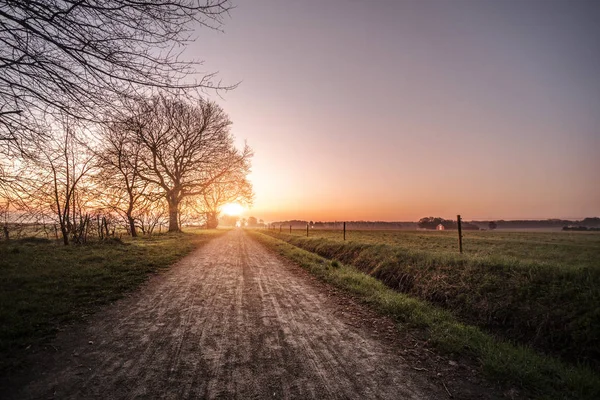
x=187, y=150
x=81, y=57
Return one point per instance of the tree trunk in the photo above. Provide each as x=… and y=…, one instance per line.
x=173, y=216
x=65, y=234
x=132, y=226
x=211, y=220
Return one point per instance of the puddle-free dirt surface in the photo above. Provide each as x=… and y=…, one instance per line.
x=231, y=320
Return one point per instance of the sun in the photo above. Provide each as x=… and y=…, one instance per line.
x=232, y=209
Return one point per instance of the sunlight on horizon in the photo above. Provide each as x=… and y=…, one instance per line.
x=486, y=108
x=232, y=209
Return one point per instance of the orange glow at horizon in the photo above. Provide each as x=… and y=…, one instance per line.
x=461, y=115
x=232, y=209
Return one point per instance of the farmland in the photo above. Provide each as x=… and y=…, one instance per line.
x=560, y=249
x=535, y=288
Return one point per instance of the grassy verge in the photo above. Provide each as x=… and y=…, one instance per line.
x=541, y=376
x=44, y=285
x=552, y=308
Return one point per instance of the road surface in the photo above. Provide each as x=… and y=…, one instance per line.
x=231, y=320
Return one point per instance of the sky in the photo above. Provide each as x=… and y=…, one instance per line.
x=395, y=110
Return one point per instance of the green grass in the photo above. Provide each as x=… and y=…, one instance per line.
x=550, y=305
x=539, y=376
x=559, y=249
x=45, y=285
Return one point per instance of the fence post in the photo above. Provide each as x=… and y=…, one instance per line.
x=279, y=228
x=306, y=230
x=459, y=233
x=344, y=231
x=290, y=229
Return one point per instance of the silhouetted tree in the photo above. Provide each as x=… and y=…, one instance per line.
x=591, y=222
x=231, y=187
x=80, y=57
x=119, y=178
x=54, y=181
x=431, y=222
x=186, y=149
x=492, y=225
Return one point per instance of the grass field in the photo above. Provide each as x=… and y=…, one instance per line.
x=562, y=249
x=535, y=375
x=44, y=285
x=537, y=289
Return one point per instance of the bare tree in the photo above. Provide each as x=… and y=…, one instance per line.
x=79, y=57
x=4, y=215
x=53, y=185
x=232, y=187
x=186, y=149
x=119, y=177
x=150, y=213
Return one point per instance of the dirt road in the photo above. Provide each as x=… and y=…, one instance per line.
x=231, y=320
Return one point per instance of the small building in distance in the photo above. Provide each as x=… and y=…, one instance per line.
x=440, y=227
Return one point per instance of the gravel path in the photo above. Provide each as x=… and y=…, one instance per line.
x=231, y=320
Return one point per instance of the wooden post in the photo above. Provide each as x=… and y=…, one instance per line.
x=459, y=233
x=344, y=231
x=279, y=228
x=306, y=230
x=290, y=229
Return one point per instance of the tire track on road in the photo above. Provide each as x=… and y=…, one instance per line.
x=231, y=320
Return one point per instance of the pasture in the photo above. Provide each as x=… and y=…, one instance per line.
x=557, y=248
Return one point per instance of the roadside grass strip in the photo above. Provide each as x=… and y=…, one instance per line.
x=541, y=377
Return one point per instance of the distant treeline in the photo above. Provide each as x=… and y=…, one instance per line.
x=592, y=222
x=349, y=224
x=435, y=222
x=431, y=223
x=579, y=228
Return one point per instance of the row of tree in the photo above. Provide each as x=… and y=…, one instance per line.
x=434, y=222
x=162, y=157
x=102, y=124
x=349, y=224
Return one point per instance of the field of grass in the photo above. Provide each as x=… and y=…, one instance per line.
x=541, y=377
x=568, y=249
x=538, y=289
x=45, y=285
